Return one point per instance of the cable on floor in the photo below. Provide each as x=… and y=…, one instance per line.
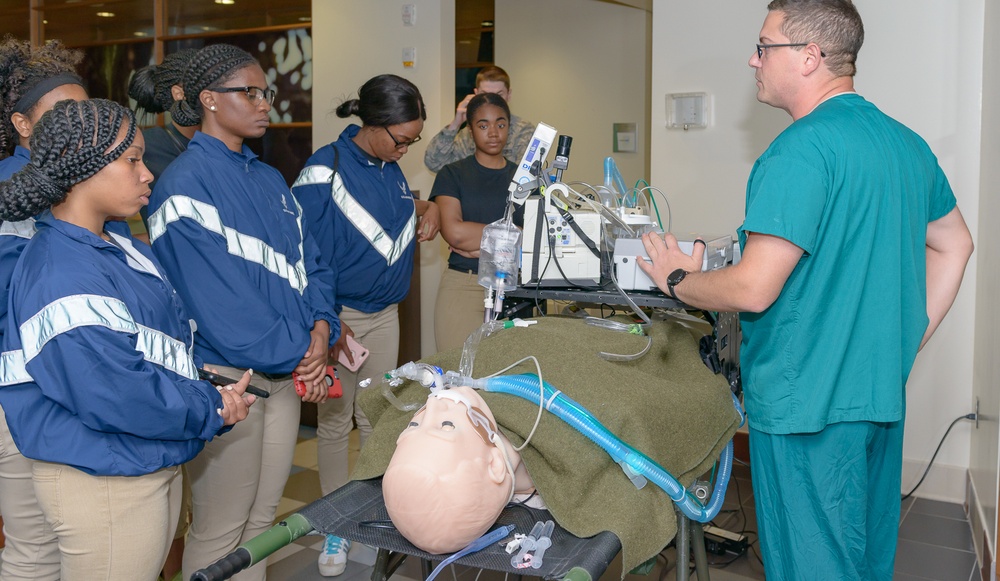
x=972, y=417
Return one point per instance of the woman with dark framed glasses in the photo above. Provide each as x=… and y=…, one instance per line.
x=231, y=238
x=366, y=221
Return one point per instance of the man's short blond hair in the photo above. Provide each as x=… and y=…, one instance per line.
x=493, y=74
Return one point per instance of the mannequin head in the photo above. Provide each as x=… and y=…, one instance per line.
x=451, y=475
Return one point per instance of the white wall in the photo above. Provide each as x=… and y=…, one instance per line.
x=947, y=113
x=580, y=81
x=354, y=40
x=933, y=87
x=986, y=365
x=579, y=66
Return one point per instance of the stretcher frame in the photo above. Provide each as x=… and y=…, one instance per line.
x=570, y=558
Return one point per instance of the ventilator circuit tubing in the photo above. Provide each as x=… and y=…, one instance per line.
x=526, y=387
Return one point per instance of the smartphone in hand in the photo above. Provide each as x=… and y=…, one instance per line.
x=358, y=351
x=333, y=385
x=216, y=379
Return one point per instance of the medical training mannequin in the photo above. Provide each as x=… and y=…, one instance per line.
x=450, y=477
x=668, y=405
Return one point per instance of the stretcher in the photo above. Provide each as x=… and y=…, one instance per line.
x=357, y=512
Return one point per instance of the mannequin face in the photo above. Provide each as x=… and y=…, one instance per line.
x=446, y=483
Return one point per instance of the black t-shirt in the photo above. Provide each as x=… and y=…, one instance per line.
x=481, y=191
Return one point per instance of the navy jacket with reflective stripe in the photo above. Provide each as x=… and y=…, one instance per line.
x=367, y=279
x=229, y=235
x=13, y=235
x=109, y=350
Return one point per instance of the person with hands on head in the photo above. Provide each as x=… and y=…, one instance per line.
x=33, y=79
x=853, y=250
x=360, y=209
x=471, y=193
x=455, y=142
x=232, y=240
x=99, y=383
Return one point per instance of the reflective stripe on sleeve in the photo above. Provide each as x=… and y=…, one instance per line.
x=245, y=246
x=12, y=370
x=75, y=311
x=22, y=229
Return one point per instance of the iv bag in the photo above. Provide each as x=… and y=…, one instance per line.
x=500, y=256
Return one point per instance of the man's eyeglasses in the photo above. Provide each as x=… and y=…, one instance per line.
x=254, y=94
x=400, y=144
x=761, y=47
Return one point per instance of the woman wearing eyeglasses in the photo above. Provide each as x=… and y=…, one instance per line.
x=231, y=239
x=366, y=221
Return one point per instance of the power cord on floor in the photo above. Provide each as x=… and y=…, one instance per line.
x=971, y=416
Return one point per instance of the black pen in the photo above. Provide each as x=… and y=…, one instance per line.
x=217, y=379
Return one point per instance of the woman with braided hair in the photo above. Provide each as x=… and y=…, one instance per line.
x=32, y=80
x=230, y=236
x=99, y=384
x=154, y=89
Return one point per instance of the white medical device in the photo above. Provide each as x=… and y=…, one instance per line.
x=561, y=247
x=718, y=253
x=526, y=177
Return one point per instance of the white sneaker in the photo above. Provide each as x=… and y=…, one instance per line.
x=333, y=558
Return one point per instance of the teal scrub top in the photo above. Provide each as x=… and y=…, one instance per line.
x=854, y=189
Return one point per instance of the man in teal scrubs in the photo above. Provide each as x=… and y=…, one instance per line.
x=853, y=252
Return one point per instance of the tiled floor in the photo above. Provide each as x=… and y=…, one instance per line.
x=935, y=542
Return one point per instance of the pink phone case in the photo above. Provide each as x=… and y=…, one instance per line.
x=358, y=351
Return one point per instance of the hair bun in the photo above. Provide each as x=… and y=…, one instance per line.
x=184, y=114
x=348, y=108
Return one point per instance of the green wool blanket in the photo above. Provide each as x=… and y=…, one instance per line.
x=667, y=405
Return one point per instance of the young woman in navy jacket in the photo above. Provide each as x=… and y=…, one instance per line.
x=99, y=382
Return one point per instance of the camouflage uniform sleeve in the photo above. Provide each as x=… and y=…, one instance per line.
x=448, y=147
x=518, y=139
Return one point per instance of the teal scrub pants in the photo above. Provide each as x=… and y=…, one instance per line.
x=828, y=503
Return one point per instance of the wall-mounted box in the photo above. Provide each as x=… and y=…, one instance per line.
x=688, y=110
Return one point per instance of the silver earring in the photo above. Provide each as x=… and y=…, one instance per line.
x=212, y=108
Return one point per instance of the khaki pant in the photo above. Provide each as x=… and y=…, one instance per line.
x=379, y=332
x=238, y=479
x=109, y=527
x=458, y=310
x=31, y=552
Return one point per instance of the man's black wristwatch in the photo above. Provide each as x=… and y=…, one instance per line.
x=674, y=279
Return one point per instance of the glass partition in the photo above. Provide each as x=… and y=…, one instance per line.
x=84, y=22
x=199, y=16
